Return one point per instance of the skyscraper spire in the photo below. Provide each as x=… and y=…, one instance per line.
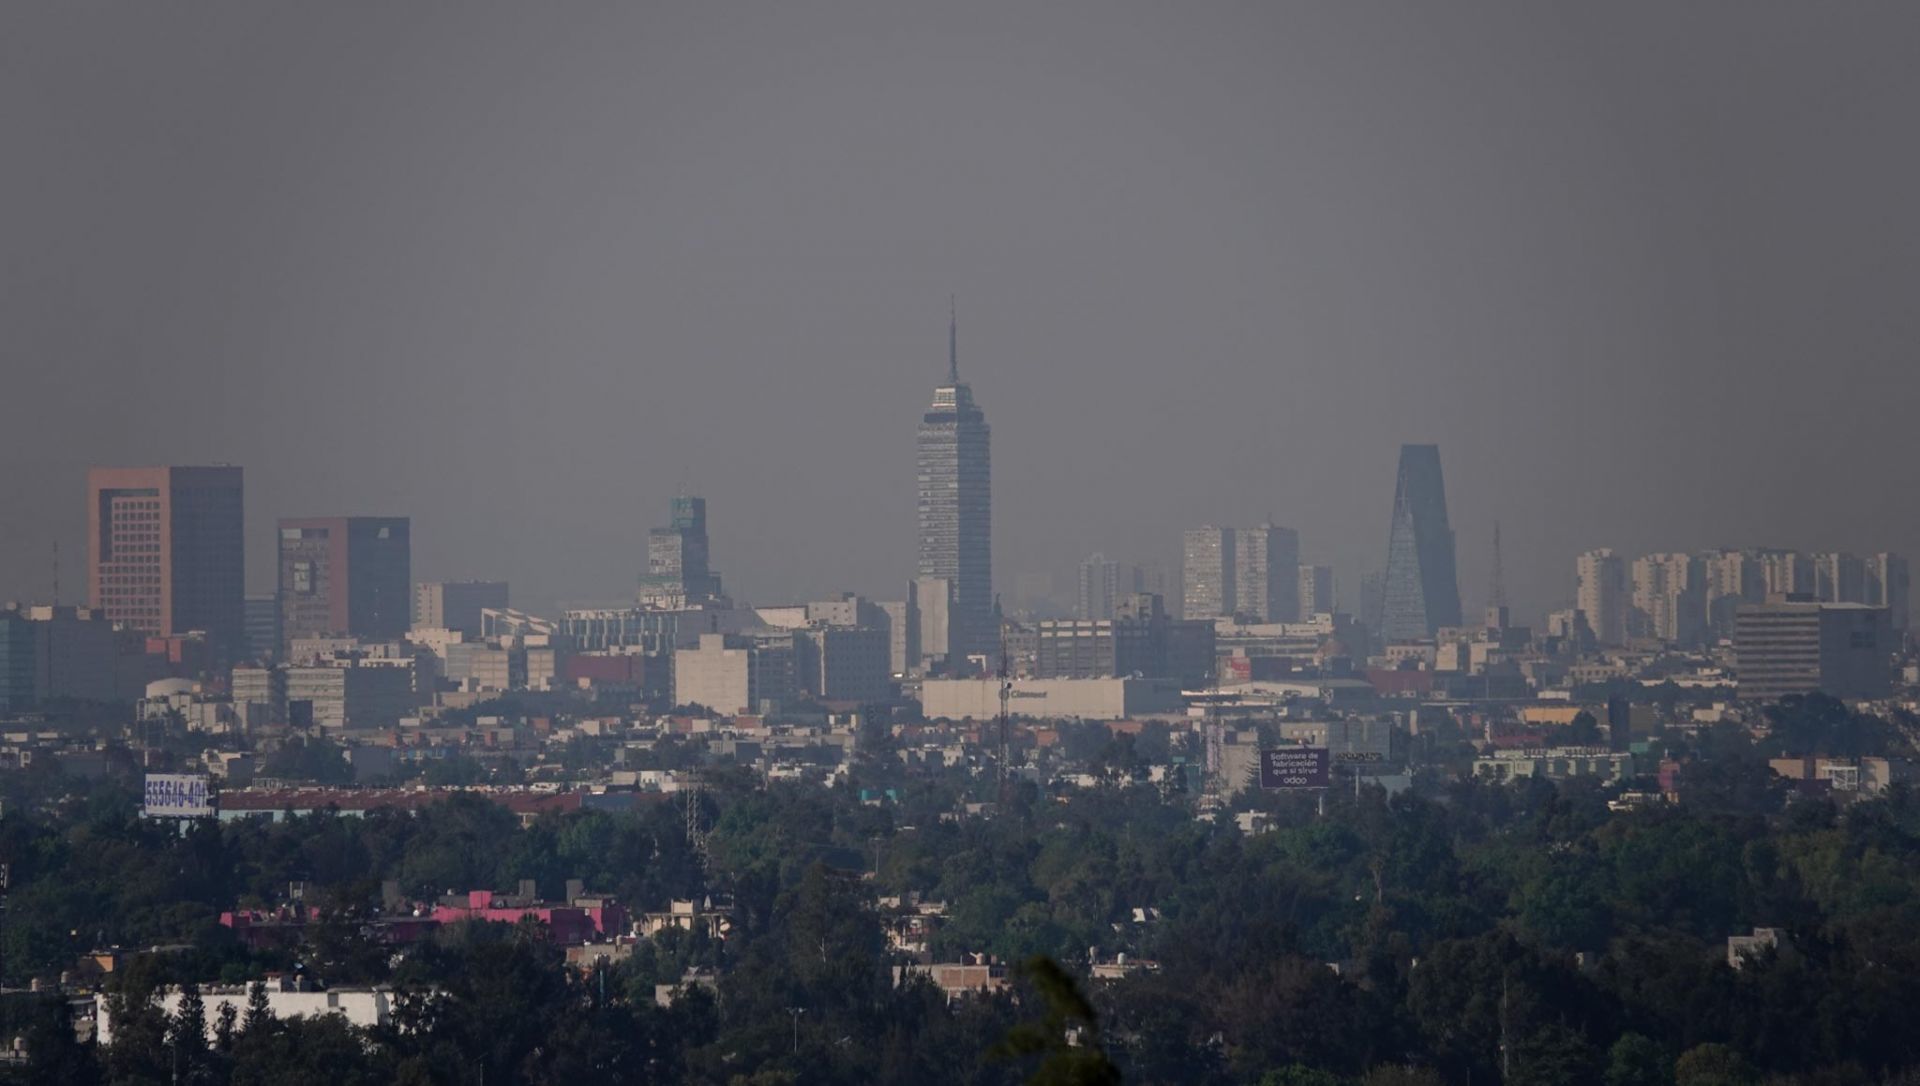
x=953, y=341
x=1497, y=589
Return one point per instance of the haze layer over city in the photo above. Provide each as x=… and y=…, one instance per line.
x=1291, y=544
x=1642, y=271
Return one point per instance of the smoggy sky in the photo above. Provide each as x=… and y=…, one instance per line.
x=1645, y=272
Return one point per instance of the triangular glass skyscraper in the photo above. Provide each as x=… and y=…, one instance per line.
x=1422, y=589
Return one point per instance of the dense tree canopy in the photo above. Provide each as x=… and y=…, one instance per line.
x=1521, y=933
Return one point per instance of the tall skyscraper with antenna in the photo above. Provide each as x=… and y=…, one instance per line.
x=1422, y=587
x=956, y=506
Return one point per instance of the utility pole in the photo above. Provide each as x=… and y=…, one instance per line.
x=796, y=1012
x=1506, y=1071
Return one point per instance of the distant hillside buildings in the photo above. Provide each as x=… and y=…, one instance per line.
x=1690, y=599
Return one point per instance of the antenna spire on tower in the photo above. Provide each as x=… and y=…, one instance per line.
x=953, y=341
x=1497, y=591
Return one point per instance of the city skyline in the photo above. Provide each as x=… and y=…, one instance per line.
x=1425, y=512
x=687, y=533
x=550, y=350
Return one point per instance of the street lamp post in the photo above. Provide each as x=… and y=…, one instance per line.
x=796, y=1012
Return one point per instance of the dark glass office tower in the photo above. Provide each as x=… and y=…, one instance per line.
x=677, y=571
x=1422, y=590
x=956, y=519
x=345, y=577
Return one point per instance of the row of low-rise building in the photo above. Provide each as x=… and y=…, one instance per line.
x=340, y=683
x=1600, y=764
x=335, y=696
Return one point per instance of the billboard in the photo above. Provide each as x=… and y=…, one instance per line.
x=1293, y=767
x=178, y=795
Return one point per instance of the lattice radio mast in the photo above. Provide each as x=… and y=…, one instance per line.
x=696, y=837
x=1006, y=692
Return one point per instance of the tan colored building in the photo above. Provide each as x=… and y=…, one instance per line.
x=166, y=551
x=1085, y=699
x=956, y=978
x=1558, y=716
x=1207, y=568
x=1266, y=575
x=1669, y=597
x=734, y=673
x=1601, y=595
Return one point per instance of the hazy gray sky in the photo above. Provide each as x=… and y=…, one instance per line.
x=1646, y=272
